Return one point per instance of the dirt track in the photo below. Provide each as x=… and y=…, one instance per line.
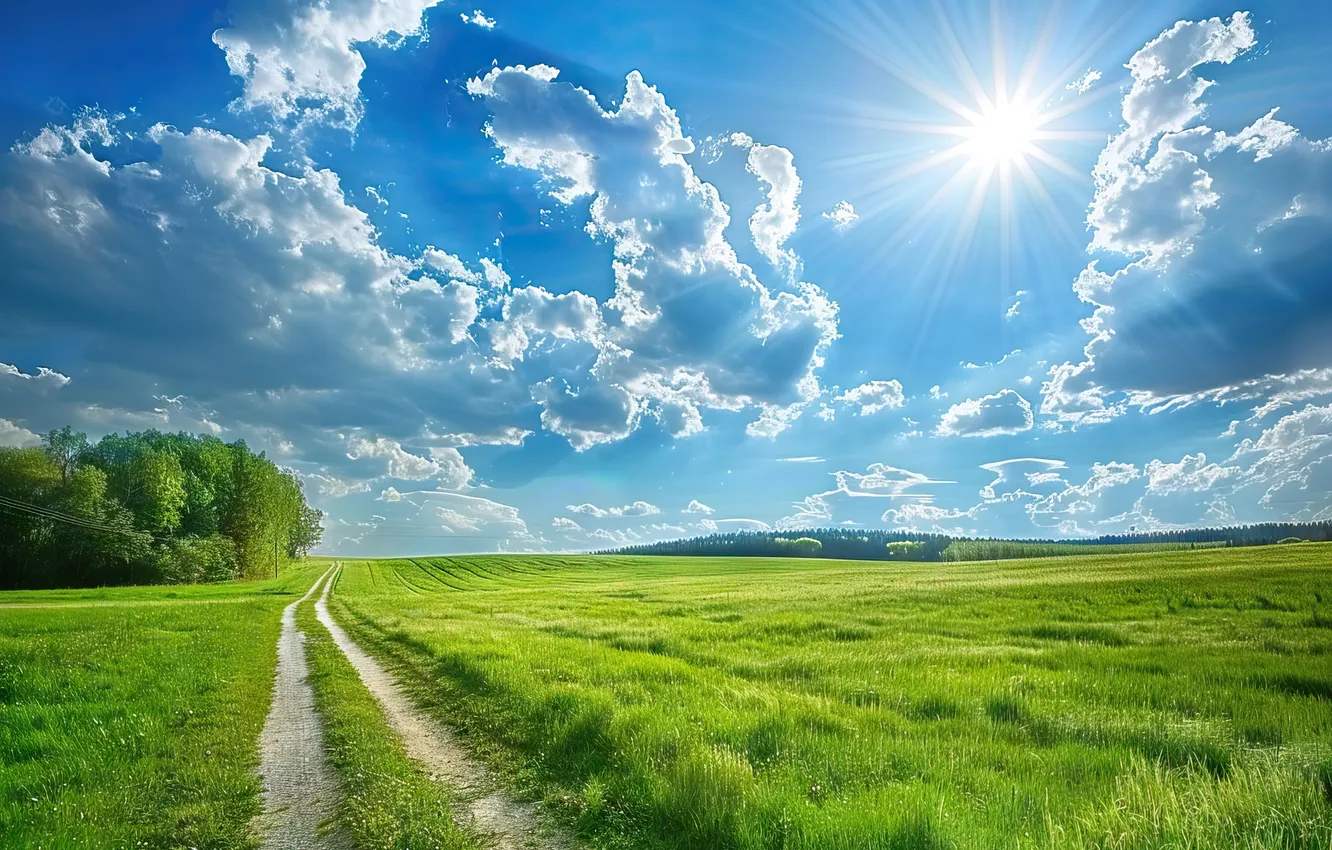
x=300, y=788
x=482, y=805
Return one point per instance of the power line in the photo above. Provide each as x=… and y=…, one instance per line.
x=51, y=513
x=57, y=516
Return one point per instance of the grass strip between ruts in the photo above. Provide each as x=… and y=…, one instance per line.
x=388, y=802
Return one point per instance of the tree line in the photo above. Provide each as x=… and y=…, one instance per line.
x=882, y=545
x=145, y=508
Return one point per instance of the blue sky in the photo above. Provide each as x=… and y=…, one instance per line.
x=531, y=276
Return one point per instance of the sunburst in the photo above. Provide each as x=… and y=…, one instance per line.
x=998, y=136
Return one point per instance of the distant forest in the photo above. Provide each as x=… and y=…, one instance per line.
x=146, y=508
x=874, y=545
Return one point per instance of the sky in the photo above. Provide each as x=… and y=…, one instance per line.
x=539, y=276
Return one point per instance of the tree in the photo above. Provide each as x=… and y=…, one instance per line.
x=146, y=506
x=307, y=534
x=65, y=446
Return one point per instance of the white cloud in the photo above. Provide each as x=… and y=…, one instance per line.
x=1083, y=84
x=773, y=420
x=936, y=393
x=689, y=326
x=1036, y=471
x=302, y=60
x=479, y=19
x=43, y=378
x=444, y=464
x=565, y=524
x=1004, y=412
x=474, y=513
x=920, y=514
x=588, y=417
x=16, y=436
x=697, y=507
x=801, y=459
x=873, y=397
x=1223, y=286
x=1193, y=472
x=638, y=508
x=744, y=524
x=1015, y=307
x=334, y=487
x=773, y=222
x=531, y=314
x=842, y=215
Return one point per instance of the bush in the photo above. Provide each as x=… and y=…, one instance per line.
x=187, y=560
x=1292, y=540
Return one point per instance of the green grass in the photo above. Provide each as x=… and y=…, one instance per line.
x=135, y=725
x=1172, y=700
x=388, y=804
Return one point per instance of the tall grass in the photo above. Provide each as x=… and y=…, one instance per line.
x=1176, y=700
x=134, y=723
x=388, y=802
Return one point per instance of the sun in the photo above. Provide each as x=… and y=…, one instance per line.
x=1001, y=134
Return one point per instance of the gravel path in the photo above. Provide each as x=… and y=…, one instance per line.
x=300, y=788
x=482, y=805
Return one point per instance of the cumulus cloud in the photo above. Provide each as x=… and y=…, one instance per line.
x=1224, y=234
x=16, y=436
x=444, y=464
x=43, y=378
x=596, y=414
x=872, y=397
x=565, y=524
x=842, y=215
x=638, y=508
x=774, y=221
x=295, y=315
x=478, y=18
x=689, y=326
x=1084, y=84
x=531, y=314
x=303, y=60
x=697, y=507
x=1004, y=412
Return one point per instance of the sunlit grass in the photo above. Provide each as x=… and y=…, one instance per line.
x=136, y=725
x=388, y=802
x=1179, y=700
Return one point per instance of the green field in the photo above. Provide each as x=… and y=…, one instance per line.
x=1169, y=700
x=129, y=716
x=1173, y=700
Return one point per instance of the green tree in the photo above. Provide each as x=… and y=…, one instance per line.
x=65, y=447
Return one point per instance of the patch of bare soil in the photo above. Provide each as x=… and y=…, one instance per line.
x=300, y=788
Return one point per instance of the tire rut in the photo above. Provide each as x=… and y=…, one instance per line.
x=481, y=804
x=301, y=791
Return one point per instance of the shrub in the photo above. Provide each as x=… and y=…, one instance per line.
x=187, y=560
